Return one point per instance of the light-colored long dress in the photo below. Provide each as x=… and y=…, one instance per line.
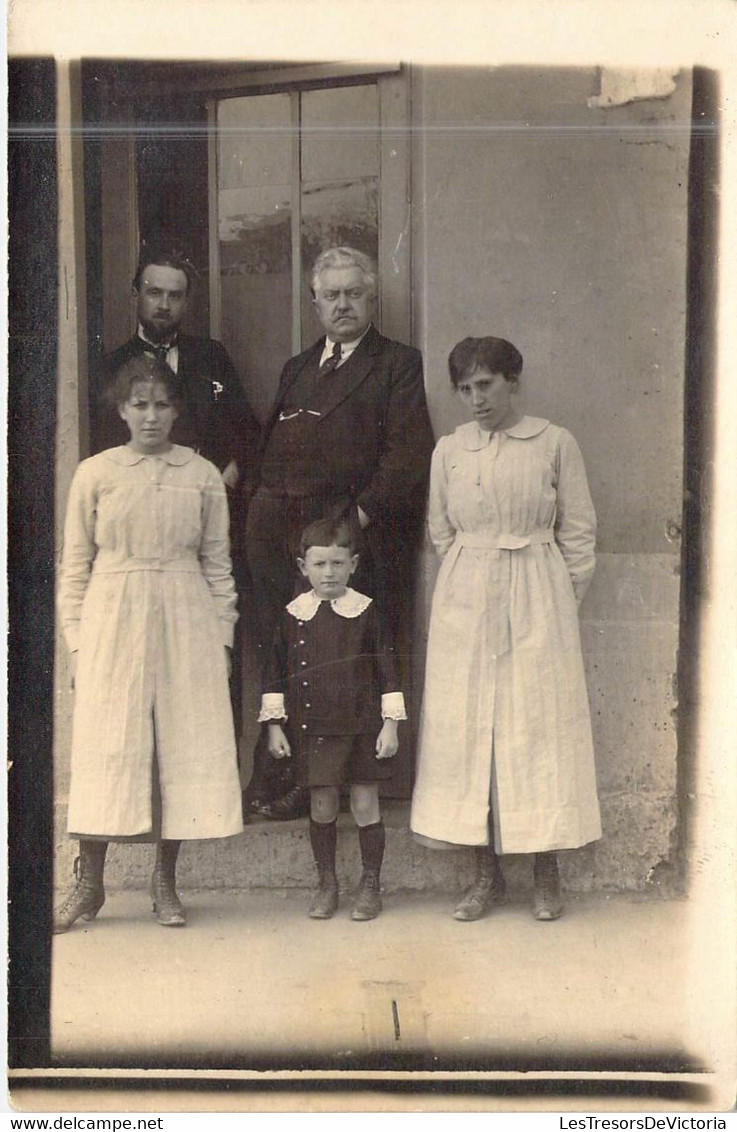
x=147, y=600
x=505, y=710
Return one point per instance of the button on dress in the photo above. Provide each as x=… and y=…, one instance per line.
x=505, y=710
x=147, y=600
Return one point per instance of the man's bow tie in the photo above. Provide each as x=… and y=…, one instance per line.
x=159, y=350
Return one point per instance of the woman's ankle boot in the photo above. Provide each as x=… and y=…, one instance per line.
x=166, y=904
x=548, y=903
x=323, y=839
x=88, y=895
x=488, y=888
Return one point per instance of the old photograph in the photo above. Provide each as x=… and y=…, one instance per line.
x=363, y=487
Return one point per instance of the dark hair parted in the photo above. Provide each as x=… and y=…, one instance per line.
x=495, y=355
x=327, y=532
x=142, y=367
x=163, y=257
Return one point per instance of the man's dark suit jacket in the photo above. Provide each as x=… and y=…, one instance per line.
x=378, y=437
x=215, y=417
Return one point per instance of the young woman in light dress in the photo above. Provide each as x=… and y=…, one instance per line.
x=505, y=760
x=147, y=605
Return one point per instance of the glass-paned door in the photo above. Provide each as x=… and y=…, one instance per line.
x=292, y=173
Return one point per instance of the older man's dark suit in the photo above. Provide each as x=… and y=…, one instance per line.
x=374, y=447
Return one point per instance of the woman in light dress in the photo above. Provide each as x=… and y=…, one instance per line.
x=505, y=759
x=147, y=605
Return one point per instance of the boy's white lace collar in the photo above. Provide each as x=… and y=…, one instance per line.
x=349, y=604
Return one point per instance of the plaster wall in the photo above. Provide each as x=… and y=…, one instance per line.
x=563, y=229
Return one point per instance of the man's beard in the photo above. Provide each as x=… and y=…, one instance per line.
x=159, y=332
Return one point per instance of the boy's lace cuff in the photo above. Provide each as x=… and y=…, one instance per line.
x=392, y=706
x=272, y=708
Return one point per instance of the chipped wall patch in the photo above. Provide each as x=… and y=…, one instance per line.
x=620, y=85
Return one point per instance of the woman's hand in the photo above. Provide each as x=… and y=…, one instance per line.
x=387, y=743
x=230, y=475
x=278, y=743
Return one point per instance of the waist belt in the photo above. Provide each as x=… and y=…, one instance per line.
x=487, y=540
x=131, y=565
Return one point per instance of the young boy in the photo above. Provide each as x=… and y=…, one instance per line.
x=333, y=677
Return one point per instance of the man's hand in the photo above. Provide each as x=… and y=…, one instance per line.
x=278, y=743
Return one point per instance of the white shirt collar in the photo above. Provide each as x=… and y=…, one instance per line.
x=346, y=348
x=350, y=604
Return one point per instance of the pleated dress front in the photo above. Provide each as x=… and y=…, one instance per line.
x=505, y=716
x=147, y=601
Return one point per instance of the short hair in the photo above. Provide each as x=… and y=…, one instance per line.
x=493, y=354
x=142, y=367
x=327, y=532
x=346, y=257
x=164, y=258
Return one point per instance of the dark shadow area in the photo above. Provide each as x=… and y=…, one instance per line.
x=352, y=1090
x=700, y=364
x=585, y=1059
x=33, y=336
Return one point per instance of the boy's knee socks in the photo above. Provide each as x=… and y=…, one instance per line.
x=372, y=839
x=323, y=839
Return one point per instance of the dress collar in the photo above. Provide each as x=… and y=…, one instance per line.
x=350, y=604
x=472, y=437
x=126, y=457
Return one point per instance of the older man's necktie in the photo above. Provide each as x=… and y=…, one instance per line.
x=330, y=363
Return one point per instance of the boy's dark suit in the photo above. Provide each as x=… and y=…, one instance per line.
x=333, y=670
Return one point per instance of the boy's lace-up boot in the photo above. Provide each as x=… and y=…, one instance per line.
x=372, y=839
x=323, y=838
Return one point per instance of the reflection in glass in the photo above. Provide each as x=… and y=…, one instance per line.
x=340, y=180
x=255, y=243
x=340, y=133
x=345, y=213
x=338, y=194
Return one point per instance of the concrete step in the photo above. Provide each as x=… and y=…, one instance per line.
x=278, y=855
